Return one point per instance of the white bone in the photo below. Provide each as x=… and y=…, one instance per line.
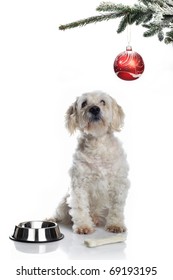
x=104, y=241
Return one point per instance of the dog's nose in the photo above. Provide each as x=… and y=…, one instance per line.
x=95, y=110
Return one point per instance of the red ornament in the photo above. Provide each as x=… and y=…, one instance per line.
x=129, y=65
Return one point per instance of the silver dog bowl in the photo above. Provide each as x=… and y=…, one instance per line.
x=37, y=232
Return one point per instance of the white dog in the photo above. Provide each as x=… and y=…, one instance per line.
x=99, y=182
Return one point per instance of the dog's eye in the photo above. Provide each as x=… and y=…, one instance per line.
x=103, y=102
x=84, y=104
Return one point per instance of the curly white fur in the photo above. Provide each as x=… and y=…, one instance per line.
x=99, y=182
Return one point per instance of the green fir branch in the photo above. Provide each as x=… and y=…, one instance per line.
x=169, y=37
x=145, y=2
x=94, y=19
x=160, y=35
x=152, y=30
x=155, y=15
x=123, y=24
x=148, y=17
x=111, y=7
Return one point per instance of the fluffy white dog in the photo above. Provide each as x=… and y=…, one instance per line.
x=99, y=182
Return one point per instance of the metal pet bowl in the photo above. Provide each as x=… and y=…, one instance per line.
x=37, y=232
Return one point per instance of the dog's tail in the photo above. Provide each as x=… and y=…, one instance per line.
x=62, y=213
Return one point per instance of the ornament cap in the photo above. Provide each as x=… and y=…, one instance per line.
x=128, y=48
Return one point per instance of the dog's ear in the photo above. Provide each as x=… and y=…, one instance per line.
x=71, y=118
x=117, y=116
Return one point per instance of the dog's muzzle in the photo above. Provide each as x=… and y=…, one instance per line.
x=95, y=113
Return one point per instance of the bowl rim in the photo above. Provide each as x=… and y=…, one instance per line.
x=21, y=224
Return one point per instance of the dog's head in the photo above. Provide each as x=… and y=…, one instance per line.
x=95, y=113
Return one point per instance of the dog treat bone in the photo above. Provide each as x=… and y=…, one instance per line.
x=103, y=241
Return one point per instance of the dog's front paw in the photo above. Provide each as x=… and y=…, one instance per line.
x=83, y=229
x=116, y=228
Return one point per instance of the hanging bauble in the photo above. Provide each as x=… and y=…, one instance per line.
x=129, y=65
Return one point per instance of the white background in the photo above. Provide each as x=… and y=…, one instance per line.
x=42, y=71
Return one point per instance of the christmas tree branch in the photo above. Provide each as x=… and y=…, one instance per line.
x=157, y=13
x=89, y=20
x=111, y=7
